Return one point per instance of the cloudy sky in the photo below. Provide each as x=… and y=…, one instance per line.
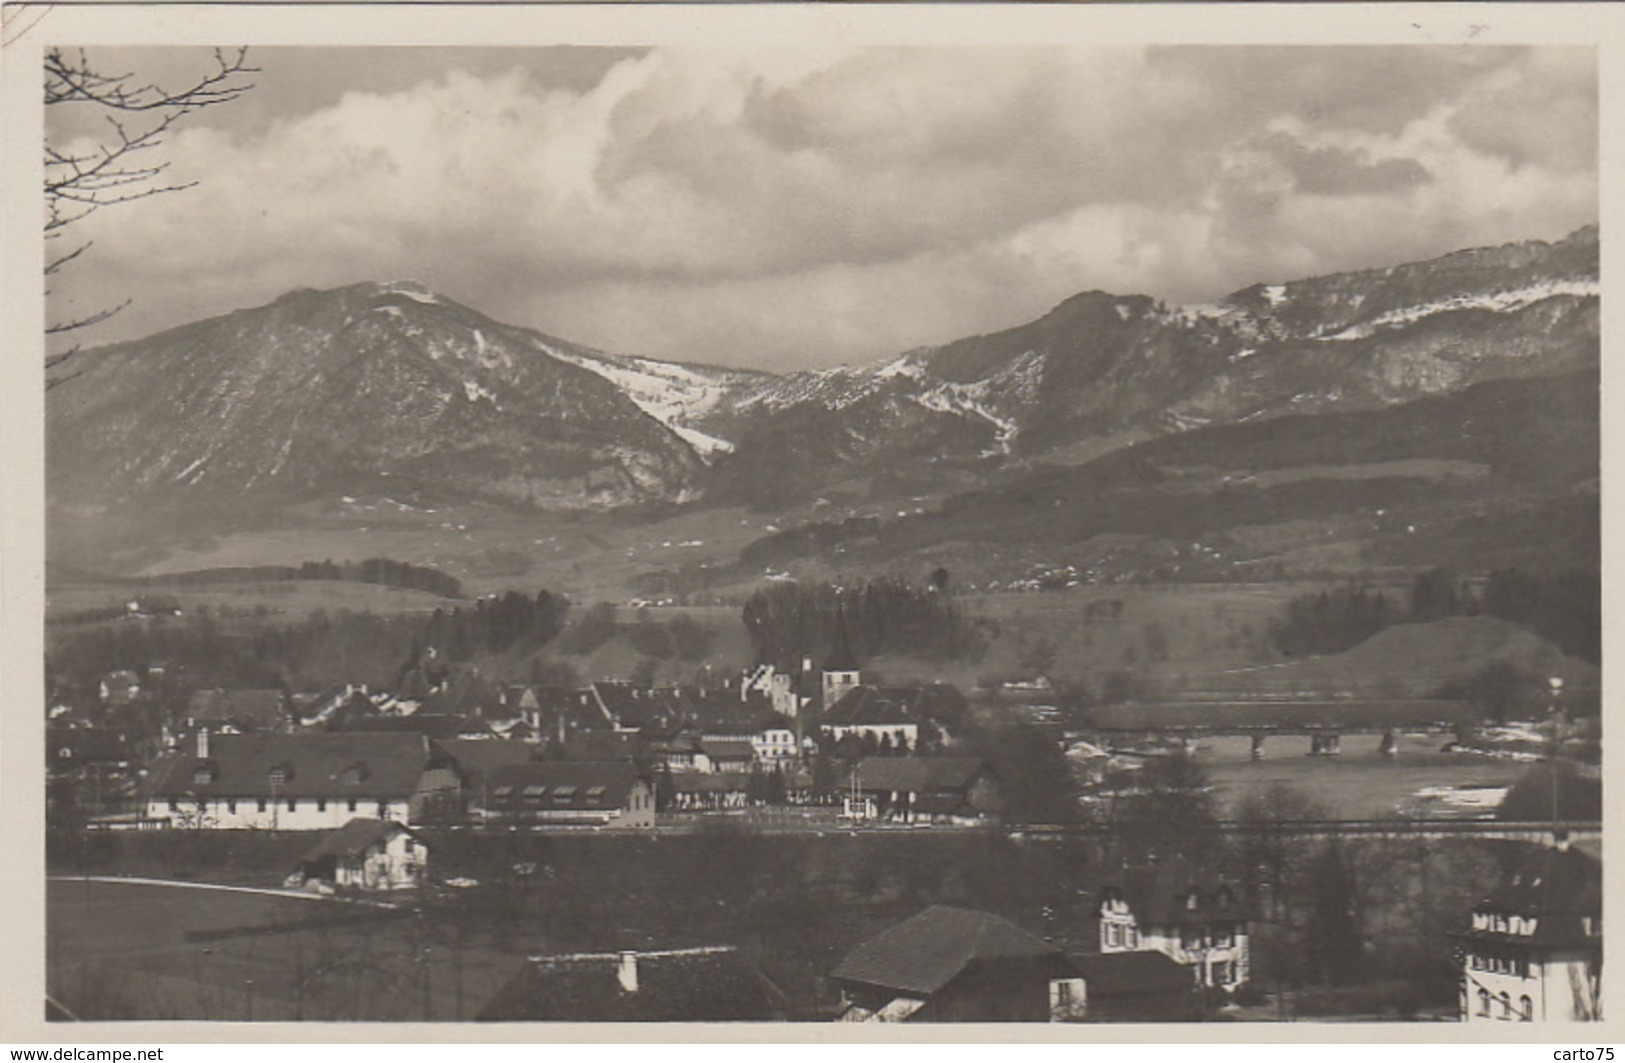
x=782, y=209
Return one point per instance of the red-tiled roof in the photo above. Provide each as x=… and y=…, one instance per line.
x=922, y=954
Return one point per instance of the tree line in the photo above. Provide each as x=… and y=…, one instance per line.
x=1563, y=606
x=787, y=621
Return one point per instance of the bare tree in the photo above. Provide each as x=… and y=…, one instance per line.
x=116, y=164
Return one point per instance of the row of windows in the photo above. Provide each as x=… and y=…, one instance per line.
x=262, y=805
x=1120, y=936
x=1487, y=1002
x=1499, y=963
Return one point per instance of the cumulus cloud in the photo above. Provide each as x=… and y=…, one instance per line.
x=794, y=207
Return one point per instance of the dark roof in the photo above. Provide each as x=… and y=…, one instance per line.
x=560, y=785
x=260, y=708
x=352, y=839
x=433, y=724
x=476, y=758
x=701, y=782
x=919, y=775
x=680, y=985
x=313, y=765
x=867, y=706
x=922, y=954
x=1109, y=974
x=603, y=745
x=727, y=749
x=1560, y=888
x=873, y=706
x=84, y=745
x=637, y=707
x=841, y=657
x=1173, y=893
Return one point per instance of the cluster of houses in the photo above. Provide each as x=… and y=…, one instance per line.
x=608, y=755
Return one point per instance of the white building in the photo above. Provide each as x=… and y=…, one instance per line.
x=366, y=854
x=1197, y=921
x=1534, y=953
x=312, y=781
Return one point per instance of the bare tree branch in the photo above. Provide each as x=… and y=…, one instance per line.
x=81, y=179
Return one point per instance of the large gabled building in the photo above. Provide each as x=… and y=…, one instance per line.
x=1533, y=952
x=1198, y=919
x=951, y=964
x=310, y=781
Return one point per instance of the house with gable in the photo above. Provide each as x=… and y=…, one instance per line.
x=945, y=790
x=364, y=854
x=1198, y=919
x=581, y=793
x=307, y=781
x=1533, y=951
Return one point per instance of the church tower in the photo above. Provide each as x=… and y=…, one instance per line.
x=841, y=668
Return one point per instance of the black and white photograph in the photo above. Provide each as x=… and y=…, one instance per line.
x=765, y=521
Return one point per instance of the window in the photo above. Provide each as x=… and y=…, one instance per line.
x=1191, y=901
x=1506, y=1004
x=202, y=776
x=260, y=804
x=383, y=810
x=231, y=807
x=174, y=805
x=1063, y=993
x=1190, y=939
x=1526, y=1009
x=321, y=804
x=1132, y=937
x=1221, y=972
x=1114, y=935
x=293, y=804
x=352, y=804
x=1484, y=1003
x=1223, y=935
x=279, y=776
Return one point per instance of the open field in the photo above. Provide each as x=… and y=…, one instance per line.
x=120, y=950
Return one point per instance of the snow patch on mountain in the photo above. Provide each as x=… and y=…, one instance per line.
x=1500, y=302
x=672, y=394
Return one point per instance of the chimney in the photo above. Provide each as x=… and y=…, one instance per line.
x=626, y=972
x=202, y=743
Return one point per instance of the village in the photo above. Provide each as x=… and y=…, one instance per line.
x=387, y=794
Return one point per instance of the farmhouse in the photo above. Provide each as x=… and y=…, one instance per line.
x=365, y=854
x=708, y=984
x=570, y=793
x=1534, y=952
x=1200, y=921
x=312, y=781
x=956, y=965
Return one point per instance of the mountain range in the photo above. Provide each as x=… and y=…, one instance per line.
x=391, y=388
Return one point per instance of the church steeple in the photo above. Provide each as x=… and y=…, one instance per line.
x=841, y=657
x=841, y=672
